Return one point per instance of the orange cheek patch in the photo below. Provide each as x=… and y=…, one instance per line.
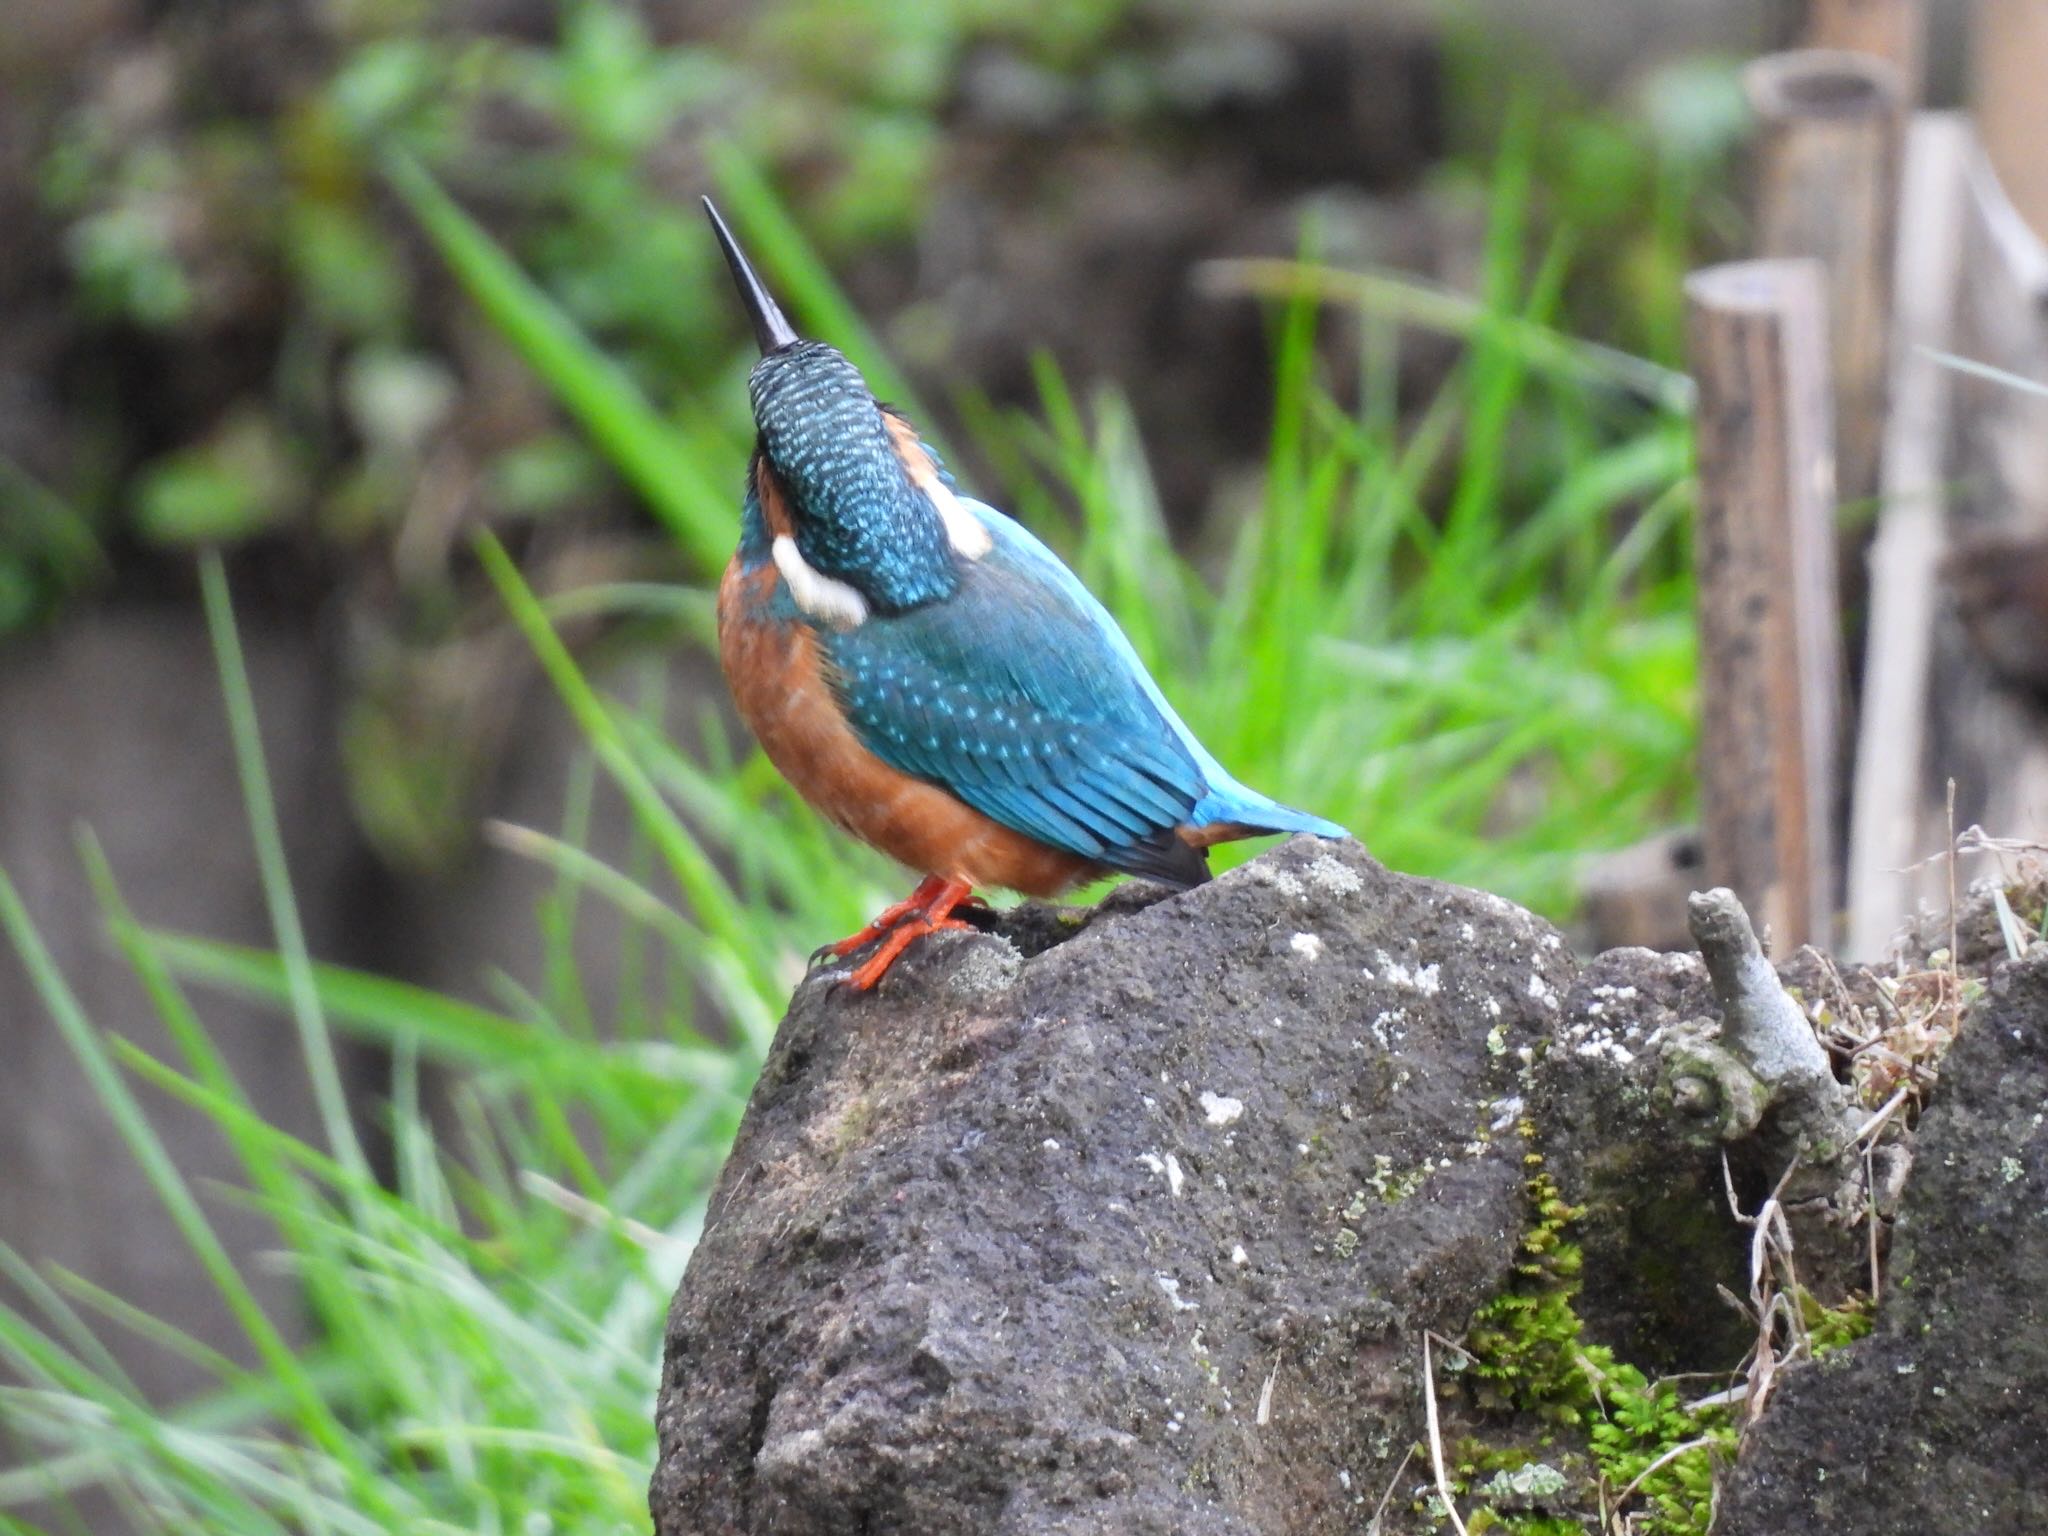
x=910, y=452
x=774, y=504
x=778, y=682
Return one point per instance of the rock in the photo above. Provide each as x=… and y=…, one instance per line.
x=1654, y=1225
x=1938, y=1422
x=1135, y=1235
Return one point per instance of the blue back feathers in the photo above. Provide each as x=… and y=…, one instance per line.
x=1006, y=694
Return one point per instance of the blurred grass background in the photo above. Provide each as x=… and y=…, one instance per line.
x=399, y=320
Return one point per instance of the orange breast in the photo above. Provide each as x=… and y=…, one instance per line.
x=777, y=679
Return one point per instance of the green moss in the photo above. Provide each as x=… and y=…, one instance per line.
x=1830, y=1328
x=1490, y=1519
x=1529, y=1356
x=1525, y=1343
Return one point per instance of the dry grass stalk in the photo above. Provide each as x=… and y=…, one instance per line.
x=1436, y=1437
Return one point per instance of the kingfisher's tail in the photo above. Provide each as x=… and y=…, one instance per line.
x=1229, y=810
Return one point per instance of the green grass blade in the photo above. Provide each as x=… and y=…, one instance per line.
x=393, y=1012
x=267, y=834
x=583, y=870
x=84, y=1343
x=644, y=447
x=711, y=902
x=1977, y=370
x=121, y=1105
x=1428, y=306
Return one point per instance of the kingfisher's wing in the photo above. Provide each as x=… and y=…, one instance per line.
x=1011, y=695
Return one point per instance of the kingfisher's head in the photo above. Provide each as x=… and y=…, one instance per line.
x=860, y=500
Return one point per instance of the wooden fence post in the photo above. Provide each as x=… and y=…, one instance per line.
x=1830, y=133
x=1890, y=832
x=1892, y=30
x=1770, y=662
x=2010, y=91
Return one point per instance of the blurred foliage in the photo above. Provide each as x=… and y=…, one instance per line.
x=1641, y=184
x=340, y=405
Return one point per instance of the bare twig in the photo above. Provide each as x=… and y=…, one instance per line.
x=1953, y=940
x=1974, y=839
x=1768, y=1050
x=1770, y=1301
x=1725, y=1398
x=1373, y=1527
x=1880, y=1118
x=1453, y=1345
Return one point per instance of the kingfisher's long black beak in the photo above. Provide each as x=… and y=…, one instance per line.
x=770, y=329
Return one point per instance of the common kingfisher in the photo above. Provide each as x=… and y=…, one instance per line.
x=931, y=677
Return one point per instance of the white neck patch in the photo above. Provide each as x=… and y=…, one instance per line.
x=968, y=535
x=822, y=597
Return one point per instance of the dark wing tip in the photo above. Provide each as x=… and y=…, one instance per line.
x=1164, y=857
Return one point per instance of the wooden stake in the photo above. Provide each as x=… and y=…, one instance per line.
x=1769, y=640
x=1829, y=143
x=1892, y=30
x=1985, y=730
x=1889, y=823
x=1635, y=896
x=2010, y=87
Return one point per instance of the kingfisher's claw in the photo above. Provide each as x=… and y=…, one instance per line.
x=820, y=955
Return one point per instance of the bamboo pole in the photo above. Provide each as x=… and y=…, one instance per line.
x=1831, y=127
x=1892, y=30
x=2010, y=90
x=1986, y=731
x=1889, y=829
x=1770, y=662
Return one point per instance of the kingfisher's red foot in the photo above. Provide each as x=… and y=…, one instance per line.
x=925, y=901
x=899, y=939
x=927, y=888
x=929, y=910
